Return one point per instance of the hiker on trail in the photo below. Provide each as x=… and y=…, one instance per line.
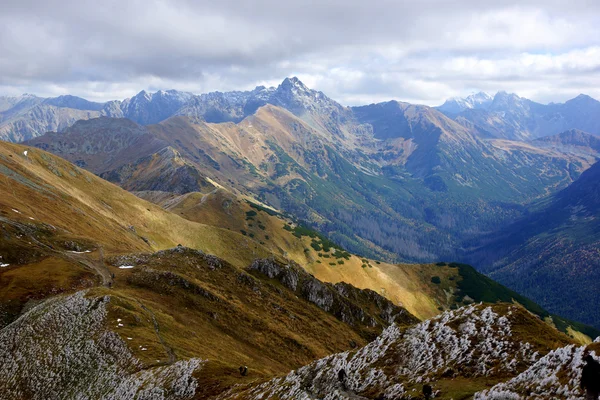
x=427, y=391
x=342, y=378
x=590, y=377
x=243, y=370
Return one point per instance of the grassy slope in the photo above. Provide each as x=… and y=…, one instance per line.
x=240, y=326
x=79, y=205
x=407, y=284
x=49, y=208
x=52, y=212
x=69, y=206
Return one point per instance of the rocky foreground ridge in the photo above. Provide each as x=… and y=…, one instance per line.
x=477, y=342
x=77, y=345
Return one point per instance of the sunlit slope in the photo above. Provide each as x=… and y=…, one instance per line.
x=404, y=284
x=73, y=210
x=58, y=202
x=424, y=289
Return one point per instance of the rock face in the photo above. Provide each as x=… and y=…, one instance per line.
x=353, y=306
x=26, y=117
x=475, y=341
x=62, y=349
x=40, y=119
x=150, y=108
x=505, y=115
x=233, y=106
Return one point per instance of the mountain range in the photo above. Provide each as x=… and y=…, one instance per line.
x=504, y=115
x=392, y=180
x=509, y=116
x=107, y=295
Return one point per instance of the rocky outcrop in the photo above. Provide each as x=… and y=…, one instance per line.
x=474, y=341
x=555, y=376
x=211, y=261
x=63, y=349
x=356, y=307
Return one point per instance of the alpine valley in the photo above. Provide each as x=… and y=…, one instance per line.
x=150, y=247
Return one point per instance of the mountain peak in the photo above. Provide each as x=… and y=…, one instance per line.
x=294, y=83
x=503, y=99
x=293, y=89
x=501, y=94
x=455, y=105
x=582, y=99
x=142, y=95
x=482, y=96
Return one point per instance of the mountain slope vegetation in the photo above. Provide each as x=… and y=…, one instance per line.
x=169, y=299
x=552, y=252
x=391, y=181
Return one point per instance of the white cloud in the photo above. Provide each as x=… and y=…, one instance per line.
x=355, y=51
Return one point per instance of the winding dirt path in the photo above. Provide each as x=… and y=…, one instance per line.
x=167, y=348
x=94, y=261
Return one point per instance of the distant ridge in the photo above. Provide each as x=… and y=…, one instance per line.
x=512, y=117
x=503, y=115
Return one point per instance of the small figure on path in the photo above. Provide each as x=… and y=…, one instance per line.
x=427, y=391
x=342, y=378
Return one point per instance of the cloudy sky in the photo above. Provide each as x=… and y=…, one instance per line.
x=356, y=51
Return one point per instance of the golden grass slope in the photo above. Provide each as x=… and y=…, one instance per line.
x=408, y=285
x=42, y=191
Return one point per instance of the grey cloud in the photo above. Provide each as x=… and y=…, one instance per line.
x=353, y=50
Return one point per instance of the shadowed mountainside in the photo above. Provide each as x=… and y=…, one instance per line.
x=552, y=252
